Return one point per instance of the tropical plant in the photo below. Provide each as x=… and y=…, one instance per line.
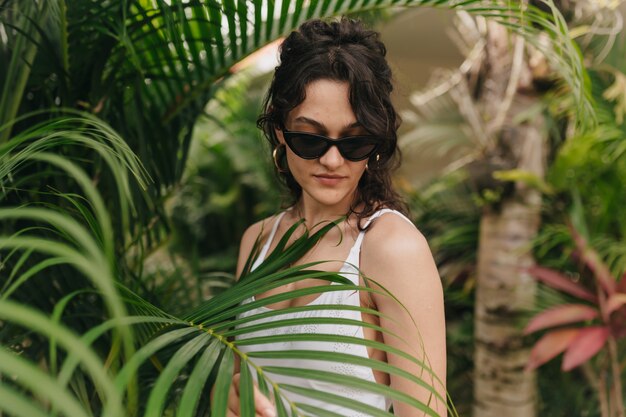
x=87, y=330
x=490, y=94
x=226, y=185
x=586, y=188
x=470, y=115
x=603, y=308
x=193, y=347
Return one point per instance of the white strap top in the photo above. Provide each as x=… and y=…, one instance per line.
x=353, y=255
x=348, y=297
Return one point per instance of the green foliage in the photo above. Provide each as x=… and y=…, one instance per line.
x=587, y=175
x=585, y=171
x=575, y=397
x=188, y=345
x=226, y=186
x=444, y=213
x=97, y=110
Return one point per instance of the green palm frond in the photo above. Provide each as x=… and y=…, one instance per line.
x=180, y=50
x=207, y=337
x=43, y=385
x=173, y=348
x=562, y=52
x=593, y=163
x=218, y=318
x=147, y=69
x=22, y=34
x=70, y=234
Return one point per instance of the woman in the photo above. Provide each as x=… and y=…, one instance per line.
x=332, y=128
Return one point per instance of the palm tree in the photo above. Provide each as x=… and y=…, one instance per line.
x=499, y=104
x=98, y=104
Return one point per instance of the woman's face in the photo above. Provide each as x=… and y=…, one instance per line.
x=330, y=180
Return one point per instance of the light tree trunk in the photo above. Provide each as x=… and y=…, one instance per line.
x=501, y=387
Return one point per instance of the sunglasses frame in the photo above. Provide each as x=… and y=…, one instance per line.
x=328, y=142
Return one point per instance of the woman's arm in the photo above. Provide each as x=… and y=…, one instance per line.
x=397, y=256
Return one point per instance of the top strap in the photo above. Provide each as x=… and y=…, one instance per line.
x=359, y=239
x=266, y=247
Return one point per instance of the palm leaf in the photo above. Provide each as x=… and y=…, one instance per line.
x=173, y=55
x=155, y=67
x=174, y=90
x=22, y=30
x=185, y=347
x=85, y=243
x=41, y=383
x=216, y=318
x=197, y=380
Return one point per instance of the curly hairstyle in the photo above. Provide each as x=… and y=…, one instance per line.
x=343, y=51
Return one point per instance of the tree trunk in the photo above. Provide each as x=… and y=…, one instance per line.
x=501, y=387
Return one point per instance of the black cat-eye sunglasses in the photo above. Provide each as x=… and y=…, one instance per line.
x=312, y=146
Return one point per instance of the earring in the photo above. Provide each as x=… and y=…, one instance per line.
x=377, y=157
x=275, y=157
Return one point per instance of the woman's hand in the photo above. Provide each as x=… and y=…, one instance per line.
x=262, y=405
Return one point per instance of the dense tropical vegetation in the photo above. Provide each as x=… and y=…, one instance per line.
x=580, y=190
x=117, y=246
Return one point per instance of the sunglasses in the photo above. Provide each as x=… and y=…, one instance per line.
x=312, y=146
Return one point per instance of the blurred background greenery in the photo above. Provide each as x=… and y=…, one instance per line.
x=213, y=176
x=228, y=184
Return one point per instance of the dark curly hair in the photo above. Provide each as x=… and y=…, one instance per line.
x=345, y=51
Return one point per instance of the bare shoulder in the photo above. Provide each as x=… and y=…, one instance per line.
x=254, y=232
x=391, y=234
x=392, y=244
x=257, y=232
x=396, y=255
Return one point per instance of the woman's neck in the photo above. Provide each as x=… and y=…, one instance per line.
x=315, y=214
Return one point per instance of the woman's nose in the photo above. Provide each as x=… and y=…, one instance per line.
x=332, y=158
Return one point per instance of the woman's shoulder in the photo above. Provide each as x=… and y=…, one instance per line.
x=260, y=230
x=388, y=220
x=394, y=251
x=256, y=234
x=393, y=234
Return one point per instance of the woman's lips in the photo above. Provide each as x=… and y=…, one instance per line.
x=329, y=180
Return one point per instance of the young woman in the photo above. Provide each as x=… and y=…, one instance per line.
x=332, y=128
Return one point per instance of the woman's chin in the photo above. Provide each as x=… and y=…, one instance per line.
x=328, y=197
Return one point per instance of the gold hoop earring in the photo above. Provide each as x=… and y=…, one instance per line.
x=275, y=157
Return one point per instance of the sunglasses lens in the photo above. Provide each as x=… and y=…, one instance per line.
x=306, y=146
x=357, y=149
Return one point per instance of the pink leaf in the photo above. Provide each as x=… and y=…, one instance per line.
x=550, y=345
x=559, y=281
x=586, y=344
x=563, y=314
x=614, y=302
x=593, y=261
x=621, y=284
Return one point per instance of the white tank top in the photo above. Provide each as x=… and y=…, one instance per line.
x=348, y=297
